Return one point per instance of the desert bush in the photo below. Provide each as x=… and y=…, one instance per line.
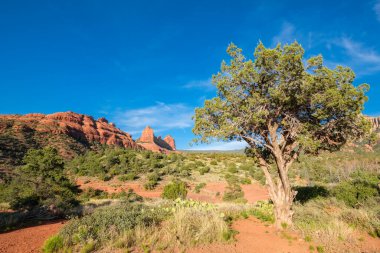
x=245, y=180
x=361, y=187
x=190, y=227
x=174, y=190
x=198, y=187
x=41, y=182
x=128, y=177
x=204, y=170
x=234, y=193
x=108, y=223
x=213, y=162
x=263, y=210
x=152, y=181
x=53, y=244
x=232, y=168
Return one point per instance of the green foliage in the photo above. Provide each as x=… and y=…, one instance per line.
x=174, y=190
x=234, y=193
x=204, y=170
x=277, y=86
x=358, y=190
x=152, y=181
x=108, y=223
x=245, y=181
x=213, y=162
x=198, y=187
x=53, y=244
x=128, y=177
x=41, y=182
x=263, y=210
x=128, y=164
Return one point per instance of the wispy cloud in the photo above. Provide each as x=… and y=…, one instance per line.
x=233, y=145
x=360, y=53
x=376, y=8
x=199, y=84
x=286, y=35
x=160, y=116
x=363, y=59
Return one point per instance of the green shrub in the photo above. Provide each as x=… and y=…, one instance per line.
x=263, y=210
x=152, y=181
x=234, y=194
x=232, y=168
x=204, y=170
x=213, y=162
x=53, y=244
x=91, y=193
x=245, y=181
x=128, y=177
x=358, y=190
x=41, y=182
x=199, y=186
x=107, y=223
x=174, y=190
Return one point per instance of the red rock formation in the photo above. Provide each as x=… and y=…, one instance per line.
x=82, y=128
x=169, y=140
x=157, y=144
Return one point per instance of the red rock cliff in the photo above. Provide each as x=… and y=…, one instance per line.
x=68, y=131
x=149, y=141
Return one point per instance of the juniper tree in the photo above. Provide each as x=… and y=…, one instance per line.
x=282, y=106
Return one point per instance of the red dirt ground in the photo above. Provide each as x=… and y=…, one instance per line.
x=255, y=237
x=29, y=239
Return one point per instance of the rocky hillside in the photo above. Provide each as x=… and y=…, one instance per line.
x=71, y=133
x=149, y=141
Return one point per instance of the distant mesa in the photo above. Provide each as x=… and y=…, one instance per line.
x=149, y=141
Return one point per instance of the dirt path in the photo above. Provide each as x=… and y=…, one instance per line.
x=29, y=239
x=255, y=237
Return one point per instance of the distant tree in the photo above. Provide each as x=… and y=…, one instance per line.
x=282, y=105
x=41, y=182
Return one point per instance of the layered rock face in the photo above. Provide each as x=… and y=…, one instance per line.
x=71, y=133
x=375, y=121
x=149, y=141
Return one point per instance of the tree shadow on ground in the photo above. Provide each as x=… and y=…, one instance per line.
x=306, y=193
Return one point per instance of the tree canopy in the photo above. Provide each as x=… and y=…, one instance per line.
x=282, y=105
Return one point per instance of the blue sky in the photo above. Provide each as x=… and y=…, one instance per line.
x=150, y=62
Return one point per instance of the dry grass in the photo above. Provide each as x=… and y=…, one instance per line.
x=334, y=225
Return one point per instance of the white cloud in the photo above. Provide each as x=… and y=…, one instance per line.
x=286, y=35
x=233, y=145
x=200, y=84
x=160, y=117
x=376, y=8
x=364, y=60
x=358, y=52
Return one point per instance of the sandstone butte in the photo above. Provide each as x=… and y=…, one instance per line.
x=149, y=141
x=83, y=130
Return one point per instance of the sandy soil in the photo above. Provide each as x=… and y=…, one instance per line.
x=28, y=239
x=255, y=237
